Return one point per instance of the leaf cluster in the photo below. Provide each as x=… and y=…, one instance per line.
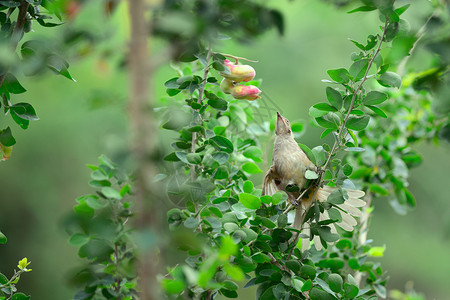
x=99, y=229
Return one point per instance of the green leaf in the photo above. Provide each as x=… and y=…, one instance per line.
x=25, y=111
x=251, y=168
x=21, y=122
x=248, y=186
x=377, y=251
x=409, y=198
x=293, y=265
x=375, y=188
x=308, y=153
x=339, y=75
x=344, y=244
x=311, y=174
x=230, y=285
x=172, y=83
x=324, y=107
x=318, y=294
x=377, y=110
x=326, y=132
x=59, y=66
x=297, y=284
x=3, y=239
x=6, y=138
x=391, y=30
x=374, y=98
x=10, y=3
x=350, y=291
x=336, y=197
x=390, y=79
x=3, y=279
x=78, y=239
x=402, y=9
x=326, y=123
x=308, y=272
x=353, y=263
x=233, y=271
x=360, y=46
x=220, y=157
x=20, y=296
x=254, y=153
x=222, y=144
x=194, y=158
x=250, y=201
x=95, y=202
x=268, y=294
x=380, y=290
x=279, y=197
x=12, y=85
x=335, y=282
x=83, y=210
x=357, y=123
x=221, y=173
x=362, y=8
x=307, y=285
x=219, y=130
x=326, y=234
x=219, y=66
x=251, y=235
x=282, y=220
x=172, y=92
x=191, y=223
x=334, y=97
x=230, y=227
x=171, y=157
x=218, y=103
x=347, y=170
x=317, y=113
x=358, y=69
x=173, y=286
x=111, y=193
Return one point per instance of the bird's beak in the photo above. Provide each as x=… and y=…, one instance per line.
x=279, y=116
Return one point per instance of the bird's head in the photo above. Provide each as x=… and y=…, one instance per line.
x=283, y=126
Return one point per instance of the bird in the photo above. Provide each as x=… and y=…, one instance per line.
x=287, y=173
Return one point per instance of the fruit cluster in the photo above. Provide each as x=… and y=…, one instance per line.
x=239, y=73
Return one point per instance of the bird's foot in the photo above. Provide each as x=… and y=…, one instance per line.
x=295, y=202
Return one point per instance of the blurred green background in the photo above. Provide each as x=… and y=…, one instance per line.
x=81, y=120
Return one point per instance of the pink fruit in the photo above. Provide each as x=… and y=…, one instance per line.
x=238, y=73
x=249, y=92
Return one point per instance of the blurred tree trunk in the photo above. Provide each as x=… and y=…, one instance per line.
x=143, y=146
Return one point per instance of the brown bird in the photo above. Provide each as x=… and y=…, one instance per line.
x=287, y=173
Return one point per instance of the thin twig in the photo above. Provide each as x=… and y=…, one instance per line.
x=338, y=139
x=236, y=58
x=420, y=34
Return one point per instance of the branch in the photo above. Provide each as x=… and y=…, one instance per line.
x=299, y=216
x=17, y=32
x=363, y=229
x=143, y=146
x=201, y=93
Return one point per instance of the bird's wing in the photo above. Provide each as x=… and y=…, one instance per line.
x=269, y=185
x=349, y=207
